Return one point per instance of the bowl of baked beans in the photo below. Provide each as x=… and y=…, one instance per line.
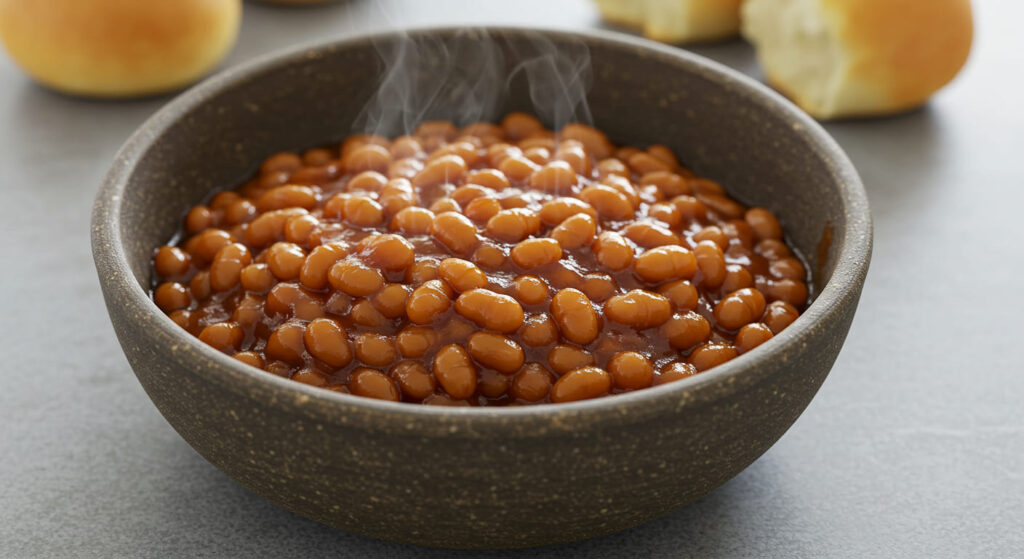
x=488, y=332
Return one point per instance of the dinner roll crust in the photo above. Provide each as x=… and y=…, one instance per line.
x=118, y=48
x=676, y=21
x=855, y=58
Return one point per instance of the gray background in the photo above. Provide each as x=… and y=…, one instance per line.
x=914, y=446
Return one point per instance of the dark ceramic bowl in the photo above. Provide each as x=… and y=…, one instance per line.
x=483, y=477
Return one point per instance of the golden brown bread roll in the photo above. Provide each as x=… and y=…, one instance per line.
x=675, y=21
x=118, y=48
x=850, y=58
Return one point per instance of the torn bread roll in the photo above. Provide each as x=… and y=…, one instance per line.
x=855, y=58
x=118, y=48
x=675, y=21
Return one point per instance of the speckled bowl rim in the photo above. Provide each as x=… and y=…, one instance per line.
x=845, y=282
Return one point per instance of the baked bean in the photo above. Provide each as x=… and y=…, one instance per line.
x=416, y=246
x=537, y=154
x=390, y=300
x=711, y=355
x=489, y=256
x=327, y=341
x=772, y=249
x=630, y=370
x=269, y=226
x=454, y=231
x=690, y=208
x=520, y=125
x=575, y=316
x=288, y=299
x=284, y=161
x=639, y=309
x=714, y=234
x=287, y=196
x=739, y=308
x=676, y=370
x=682, y=294
x=736, y=278
x=354, y=278
x=793, y=292
x=534, y=253
x=609, y=202
x=171, y=262
x=285, y=260
x=316, y=266
x=286, y=343
x=575, y=232
x=421, y=271
x=666, y=213
x=406, y=168
x=598, y=287
x=607, y=167
x=257, y=278
x=490, y=310
x=226, y=268
x=711, y=263
x=462, y=275
x=373, y=384
x=556, y=176
x=375, y=349
x=369, y=157
x=665, y=263
x=222, y=336
x=612, y=251
x=554, y=212
x=416, y=341
x=581, y=384
x=428, y=302
x=198, y=219
x=363, y=212
x=199, y=286
x=250, y=358
x=171, y=296
x=455, y=371
x=778, y=315
x=531, y=290
x=496, y=351
x=650, y=235
x=593, y=140
x=414, y=379
x=482, y=210
x=564, y=358
x=788, y=268
x=686, y=330
x=532, y=383
x=389, y=252
x=751, y=336
x=413, y=221
x=209, y=242
x=491, y=178
x=642, y=163
x=513, y=225
x=538, y=330
x=764, y=223
x=444, y=169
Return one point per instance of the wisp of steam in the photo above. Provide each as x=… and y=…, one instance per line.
x=466, y=76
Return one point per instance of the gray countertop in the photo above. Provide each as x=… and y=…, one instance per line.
x=913, y=448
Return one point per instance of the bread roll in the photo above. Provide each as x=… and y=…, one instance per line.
x=118, y=48
x=851, y=58
x=675, y=21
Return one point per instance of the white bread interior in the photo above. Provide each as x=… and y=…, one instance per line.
x=676, y=21
x=851, y=58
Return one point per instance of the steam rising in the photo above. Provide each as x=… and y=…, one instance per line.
x=467, y=77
